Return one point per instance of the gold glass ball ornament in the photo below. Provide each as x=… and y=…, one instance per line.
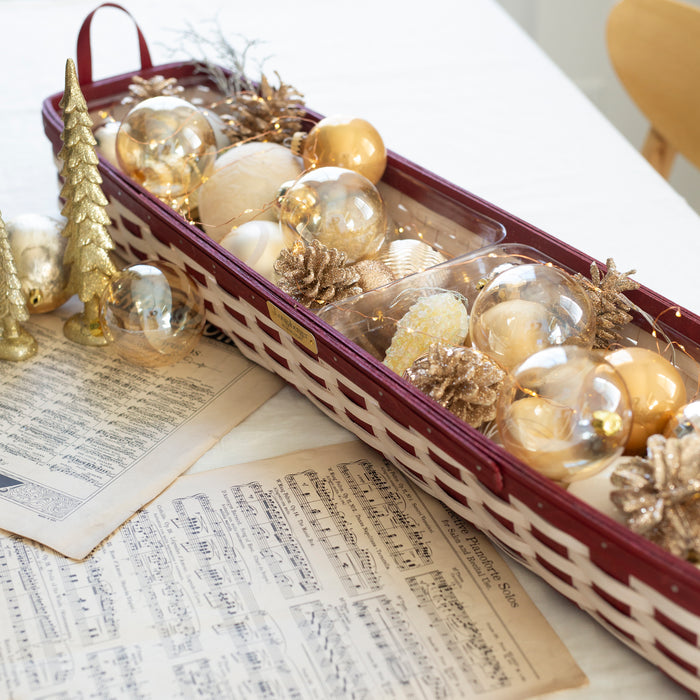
x=527, y=308
x=338, y=207
x=152, y=314
x=38, y=247
x=167, y=145
x=656, y=388
x=565, y=412
x=344, y=142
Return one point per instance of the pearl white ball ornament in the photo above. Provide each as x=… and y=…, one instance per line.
x=258, y=244
x=244, y=186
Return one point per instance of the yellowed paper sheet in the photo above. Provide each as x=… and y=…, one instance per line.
x=320, y=574
x=86, y=439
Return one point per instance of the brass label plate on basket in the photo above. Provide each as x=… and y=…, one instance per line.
x=298, y=332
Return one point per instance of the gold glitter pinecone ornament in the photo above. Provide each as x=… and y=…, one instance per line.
x=273, y=114
x=660, y=495
x=143, y=88
x=609, y=303
x=316, y=275
x=463, y=380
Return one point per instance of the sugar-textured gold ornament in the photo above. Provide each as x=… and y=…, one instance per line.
x=16, y=343
x=656, y=388
x=344, y=142
x=373, y=274
x=258, y=244
x=339, y=207
x=316, y=275
x=166, y=145
x=152, y=313
x=659, y=494
x=685, y=420
x=243, y=186
x=38, y=248
x=436, y=318
x=565, y=412
x=527, y=308
x=610, y=305
x=463, y=380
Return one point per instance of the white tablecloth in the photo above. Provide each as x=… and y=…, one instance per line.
x=454, y=86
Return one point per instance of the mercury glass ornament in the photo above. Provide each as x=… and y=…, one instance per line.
x=167, y=145
x=656, y=388
x=527, y=308
x=565, y=412
x=152, y=313
x=344, y=142
x=338, y=207
x=37, y=247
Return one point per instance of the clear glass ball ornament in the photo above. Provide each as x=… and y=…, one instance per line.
x=565, y=412
x=527, y=308
x=152, y=313
x=167, y=145
x=338, y=207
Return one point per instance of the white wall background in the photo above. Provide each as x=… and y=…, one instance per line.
x=572, y=33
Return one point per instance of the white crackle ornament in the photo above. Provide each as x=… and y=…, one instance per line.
x=440, y=317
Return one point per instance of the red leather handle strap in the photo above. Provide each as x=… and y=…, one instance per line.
x=84, y=53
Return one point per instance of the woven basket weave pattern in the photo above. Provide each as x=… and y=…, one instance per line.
x=647, y=621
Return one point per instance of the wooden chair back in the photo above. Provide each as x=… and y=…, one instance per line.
x=654, y=46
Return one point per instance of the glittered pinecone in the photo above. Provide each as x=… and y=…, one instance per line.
x=274, y=114
x=609, y=303
x=143, y=88
x=316, y=275
x=660, y=495
x=463, y=380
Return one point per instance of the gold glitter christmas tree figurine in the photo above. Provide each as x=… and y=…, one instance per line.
x=89, y=243
x=15, y=342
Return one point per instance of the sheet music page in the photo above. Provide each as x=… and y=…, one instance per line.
x=86, y=439
x=320, y=574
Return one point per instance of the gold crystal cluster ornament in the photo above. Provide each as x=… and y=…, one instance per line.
x=659, y=494
x=610, y=305
x=272, y=114
x=15, y=342
x=89, y=243
x=463, y=380
x=316, y=275
x=142, y=88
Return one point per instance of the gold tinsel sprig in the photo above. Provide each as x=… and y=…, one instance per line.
x=610, y=305
x=462, y=379
x=157, y=86
x=659, y=494
x=316, y=275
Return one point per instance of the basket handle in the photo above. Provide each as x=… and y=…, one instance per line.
x=84, y=52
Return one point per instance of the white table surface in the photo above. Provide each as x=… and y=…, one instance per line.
x=456, y=87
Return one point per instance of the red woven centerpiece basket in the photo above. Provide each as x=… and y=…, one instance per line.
x=647, y=597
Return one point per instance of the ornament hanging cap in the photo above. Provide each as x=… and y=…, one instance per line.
x=297, y=144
